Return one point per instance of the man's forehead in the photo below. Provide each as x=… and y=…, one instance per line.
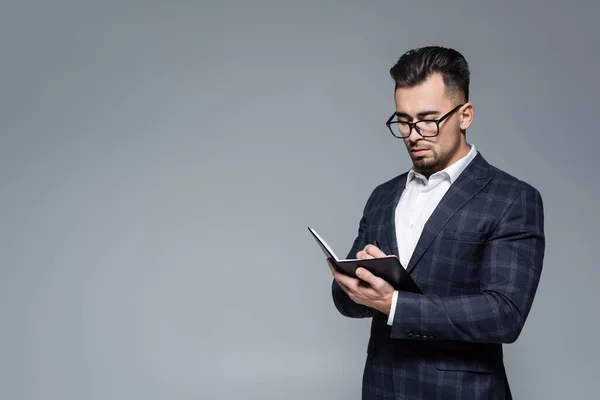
x=420, y=97
x=421, y=106
x=414, y=105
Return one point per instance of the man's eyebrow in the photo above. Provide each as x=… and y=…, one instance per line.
x=420, y=115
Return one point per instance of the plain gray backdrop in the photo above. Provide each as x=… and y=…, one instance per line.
x=160, y=162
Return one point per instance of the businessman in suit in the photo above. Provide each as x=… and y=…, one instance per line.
x=469, y=234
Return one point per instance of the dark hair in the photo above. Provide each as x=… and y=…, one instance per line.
x=416, y=65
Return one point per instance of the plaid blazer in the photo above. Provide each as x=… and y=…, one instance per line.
x=478, y=263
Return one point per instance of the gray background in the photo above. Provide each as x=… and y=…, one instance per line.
x=160, y=162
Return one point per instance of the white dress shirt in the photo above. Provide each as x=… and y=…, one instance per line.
x=418, y=201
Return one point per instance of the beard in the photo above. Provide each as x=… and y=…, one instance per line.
x=436, y=158
x=424, y=164
x=427, y=165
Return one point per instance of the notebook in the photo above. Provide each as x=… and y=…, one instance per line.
x=388, y=268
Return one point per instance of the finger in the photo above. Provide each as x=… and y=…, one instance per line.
x=363, y=255
x=348, y=281
x=348, y=290
x=374, y=251
x=366, y=276
x=341, y=278
x=331, y=267
x=344, y=288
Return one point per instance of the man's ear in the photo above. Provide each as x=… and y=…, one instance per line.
x=466, y=114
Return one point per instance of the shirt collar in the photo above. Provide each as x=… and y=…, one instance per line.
x=452, y=172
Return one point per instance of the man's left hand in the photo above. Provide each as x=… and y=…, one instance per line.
x=369, y=290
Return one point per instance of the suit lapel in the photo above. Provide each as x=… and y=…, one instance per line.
x=469, y=183
x=390, y=216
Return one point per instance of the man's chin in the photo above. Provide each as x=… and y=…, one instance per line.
x=422, y=161
x=423, y=164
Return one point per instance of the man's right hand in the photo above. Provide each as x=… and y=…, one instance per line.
x=370, y=251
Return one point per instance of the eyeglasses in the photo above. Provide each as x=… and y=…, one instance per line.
x=425, y=128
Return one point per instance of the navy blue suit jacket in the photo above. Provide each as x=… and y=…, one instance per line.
x=478, y=263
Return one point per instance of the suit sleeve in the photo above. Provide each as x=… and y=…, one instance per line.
x=344, y=304
x=510, y=273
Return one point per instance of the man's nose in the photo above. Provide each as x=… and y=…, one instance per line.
x=414, y=135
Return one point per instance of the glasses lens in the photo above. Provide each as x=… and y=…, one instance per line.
x=399, y=129
x=427, y=128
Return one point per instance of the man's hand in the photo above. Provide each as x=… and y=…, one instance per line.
x=369, y=290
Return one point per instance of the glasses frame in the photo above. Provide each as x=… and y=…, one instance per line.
x=412, y=125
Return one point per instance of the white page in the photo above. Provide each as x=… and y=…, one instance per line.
x=325, y=244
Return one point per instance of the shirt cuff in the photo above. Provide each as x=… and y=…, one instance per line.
x=393, y=308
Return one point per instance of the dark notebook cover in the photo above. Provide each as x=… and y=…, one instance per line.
x=388, y=268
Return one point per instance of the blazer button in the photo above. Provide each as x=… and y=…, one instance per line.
x=418, y=336
x=411, y=336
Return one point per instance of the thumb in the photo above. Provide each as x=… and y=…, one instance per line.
x=366, y=275
x=374, y=281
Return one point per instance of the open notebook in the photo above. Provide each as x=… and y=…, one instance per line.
x=387, y=268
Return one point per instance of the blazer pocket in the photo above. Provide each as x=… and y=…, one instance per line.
x=465, y=236
x=468, y=365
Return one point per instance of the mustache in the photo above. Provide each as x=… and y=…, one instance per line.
x=418, y=143
x=417, y=146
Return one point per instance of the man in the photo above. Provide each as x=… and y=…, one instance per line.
x=469, y=234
